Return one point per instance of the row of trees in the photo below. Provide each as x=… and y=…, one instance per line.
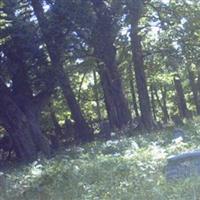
x=95, y=59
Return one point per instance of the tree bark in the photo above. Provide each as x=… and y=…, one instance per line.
x=193, y=86
x=183, y=111
x=30, y=105
x=25, y=113
x=83, y=132
x=136, y=9
x=103, y=38
x=17, y=126
x=39, y=138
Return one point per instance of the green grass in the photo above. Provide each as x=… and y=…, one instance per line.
x=124, y=169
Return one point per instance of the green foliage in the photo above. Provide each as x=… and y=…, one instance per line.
x=126, y=168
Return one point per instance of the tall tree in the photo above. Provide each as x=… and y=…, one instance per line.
x=23, y=88
x=135, y=12
x=54, y=38
x=103, y=38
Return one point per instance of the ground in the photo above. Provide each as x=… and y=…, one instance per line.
x=126, y=168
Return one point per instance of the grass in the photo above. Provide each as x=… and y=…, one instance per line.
x=122, y=169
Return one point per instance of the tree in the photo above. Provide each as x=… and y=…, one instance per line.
x=135, y=11
x=54, y=38
x=23, y=87
x=103, y=38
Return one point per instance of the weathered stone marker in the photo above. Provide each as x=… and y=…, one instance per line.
x=183, y=165
x=178, y=133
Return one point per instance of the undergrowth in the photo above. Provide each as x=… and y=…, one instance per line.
x=127, y=168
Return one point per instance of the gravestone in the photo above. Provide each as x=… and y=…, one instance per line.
x=178, y=134
x=183, y=165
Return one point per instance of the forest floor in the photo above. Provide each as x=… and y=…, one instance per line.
x=128, y=168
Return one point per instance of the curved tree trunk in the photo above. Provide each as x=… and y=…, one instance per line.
x=18, y=127
x=83, y=132
x=55, y=49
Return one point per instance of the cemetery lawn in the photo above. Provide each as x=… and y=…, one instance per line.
x=127, y=168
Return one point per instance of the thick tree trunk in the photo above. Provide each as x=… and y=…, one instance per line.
x=22, y=96
x=55, y=50
x=39, y=139
x=115, y=102
x=132, y=89
x=18, y=127
x=183, y=111
x=20, y=117
x=193, y=86
x=104, y=50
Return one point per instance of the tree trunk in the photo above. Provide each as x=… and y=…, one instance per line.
x=39, y=138
x=145, y=107
x=183, y=111
x=83, y=132
x=23, y=98
x=131, y=82
x=193, y=86
x=20, y=116
x=104, y=50
x=136, y=11
x=55, y=50
x=18, y=127
x=115, y=102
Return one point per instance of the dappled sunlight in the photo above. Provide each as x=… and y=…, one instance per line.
x=109, y=170
x=99, y=100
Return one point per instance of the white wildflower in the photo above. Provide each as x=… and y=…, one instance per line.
x=113, y=134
